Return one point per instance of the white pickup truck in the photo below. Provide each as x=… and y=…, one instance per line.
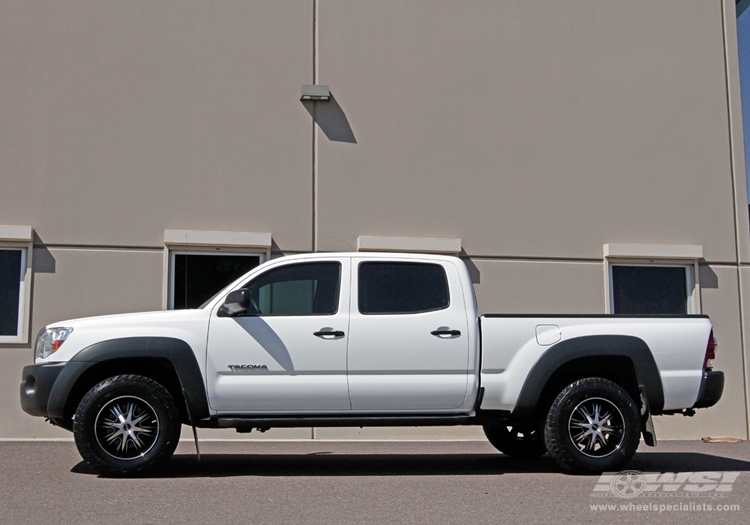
x=368, y=339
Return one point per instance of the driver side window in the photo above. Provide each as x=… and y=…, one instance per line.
x=296, y=289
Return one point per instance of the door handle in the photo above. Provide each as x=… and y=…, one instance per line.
x=438, y=333
x=334, y=333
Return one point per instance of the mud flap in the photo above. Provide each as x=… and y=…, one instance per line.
x=192, y=424
x=647, y=424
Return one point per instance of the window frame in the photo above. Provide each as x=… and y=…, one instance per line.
x=20, y=238
x=201, y=242
x=214, y=251
x=356, y=276
x=692, y=284
x=301, y=263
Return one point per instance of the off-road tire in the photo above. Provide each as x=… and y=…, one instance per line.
x=575, y=415
x=126, y=425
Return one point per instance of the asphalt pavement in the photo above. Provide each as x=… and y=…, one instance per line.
x=332, y=482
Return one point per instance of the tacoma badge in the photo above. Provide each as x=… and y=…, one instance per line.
x=243, y=368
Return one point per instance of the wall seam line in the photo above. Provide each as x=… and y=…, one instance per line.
x=732, y=164
x=314, y=130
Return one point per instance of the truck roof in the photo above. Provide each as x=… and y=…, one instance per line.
x=374, y=255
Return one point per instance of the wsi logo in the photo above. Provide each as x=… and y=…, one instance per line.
x=248, y=368
x=633, y=483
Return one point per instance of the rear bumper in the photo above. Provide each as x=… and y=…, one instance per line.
x=36, y=385
x=712, y=386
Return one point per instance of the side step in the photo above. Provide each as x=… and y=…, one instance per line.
x=356, y=421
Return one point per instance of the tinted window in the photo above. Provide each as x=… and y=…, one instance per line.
x=649, y=290
x=399, y=288
x=297, y=289
x=198, y=277
x=10, y=287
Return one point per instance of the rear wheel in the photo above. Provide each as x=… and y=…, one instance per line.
x=592, y=426
x=126, y=425
x=519, y=440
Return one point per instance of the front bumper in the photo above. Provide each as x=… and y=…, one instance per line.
x=36, y=385
x=712, y=386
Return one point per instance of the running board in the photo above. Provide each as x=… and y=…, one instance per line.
x=355, y=421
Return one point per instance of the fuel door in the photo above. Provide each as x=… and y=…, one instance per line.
x=547, y=334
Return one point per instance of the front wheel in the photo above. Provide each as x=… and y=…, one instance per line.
x=592, y=426
x=126, y=425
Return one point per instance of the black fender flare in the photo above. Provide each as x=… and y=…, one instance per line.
x=631, y=347
x=176, y=351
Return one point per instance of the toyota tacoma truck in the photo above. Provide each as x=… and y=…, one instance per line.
x=368, y=339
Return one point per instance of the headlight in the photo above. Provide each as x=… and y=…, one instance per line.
x=49, y=341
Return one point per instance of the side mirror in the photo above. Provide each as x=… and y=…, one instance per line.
x=236, y=303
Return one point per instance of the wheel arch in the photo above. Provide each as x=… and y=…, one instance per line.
x=169, y=361
x=624, y=360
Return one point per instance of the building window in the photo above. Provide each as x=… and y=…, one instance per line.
x=12, y=292
x=16, y=252
x=401, y=288
x=195, y=277
x=651, y=289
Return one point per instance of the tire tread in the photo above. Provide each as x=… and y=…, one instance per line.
x=556, y=437
x=88, y=448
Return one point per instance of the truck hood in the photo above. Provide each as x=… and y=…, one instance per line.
x=187, y=325
x=127, y=319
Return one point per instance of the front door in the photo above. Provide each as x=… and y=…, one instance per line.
x=287, y=352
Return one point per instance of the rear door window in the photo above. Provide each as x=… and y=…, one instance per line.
x=402, y=288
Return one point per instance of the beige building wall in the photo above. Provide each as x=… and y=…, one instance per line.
x=527, y=129
x=535, y=133
x=121, y=120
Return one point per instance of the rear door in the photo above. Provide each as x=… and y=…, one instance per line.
x=408, y=336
